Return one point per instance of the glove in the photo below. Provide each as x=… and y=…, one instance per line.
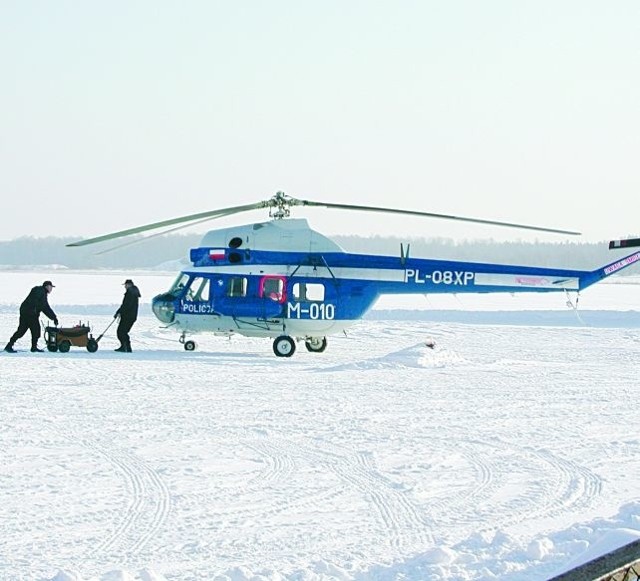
x=55, y=322
x=116, y=315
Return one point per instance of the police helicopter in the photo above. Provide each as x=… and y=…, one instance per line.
x=283, y=280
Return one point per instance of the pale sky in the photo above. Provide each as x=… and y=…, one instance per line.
x=116, y=114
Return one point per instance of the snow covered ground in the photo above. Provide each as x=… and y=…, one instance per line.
x=507, y=452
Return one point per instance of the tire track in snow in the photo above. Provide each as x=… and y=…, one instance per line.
x=577, y=486
x=279, y=465
x=398, y=499
x=162, y=505
x=481, y=484
x=400, y=517
x=553, y=484
x=281, y=462
x=149, y=503
x=150, y=499
x=136, y=487
x=485, y=481
x=560, y=485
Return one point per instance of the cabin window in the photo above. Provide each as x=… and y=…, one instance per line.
x=237, y=287
x=308, y=292
x=273, y=287
x=198, y=290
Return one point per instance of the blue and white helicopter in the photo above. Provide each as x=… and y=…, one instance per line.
x=281, y=279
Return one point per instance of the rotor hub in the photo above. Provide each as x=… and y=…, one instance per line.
x=280, y=205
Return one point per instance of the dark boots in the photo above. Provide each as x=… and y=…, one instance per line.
x=34, y=348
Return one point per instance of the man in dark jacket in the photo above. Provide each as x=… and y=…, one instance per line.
x=30, y=309
x=128, y=312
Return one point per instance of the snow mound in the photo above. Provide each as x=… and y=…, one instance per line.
x=419, y=356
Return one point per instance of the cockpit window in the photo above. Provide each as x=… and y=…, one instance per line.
x=308, y=292
x=198, y=290
x=177, y=288
x=237, y=286
x=191, y=289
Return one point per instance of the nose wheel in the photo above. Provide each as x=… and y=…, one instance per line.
x=189, y=345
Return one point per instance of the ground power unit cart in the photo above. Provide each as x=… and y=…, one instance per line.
x=63, y=338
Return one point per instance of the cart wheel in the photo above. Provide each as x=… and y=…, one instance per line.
x=52, y=347
x=64, y=346
x=92, y=345
x=189, y=345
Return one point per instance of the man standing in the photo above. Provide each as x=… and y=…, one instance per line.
x=128, y=312
x=30, y=309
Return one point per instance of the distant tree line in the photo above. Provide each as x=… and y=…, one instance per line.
x=153, y=253
x=29, y=251
x=578, y=255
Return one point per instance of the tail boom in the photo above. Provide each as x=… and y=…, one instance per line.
x=608, y=269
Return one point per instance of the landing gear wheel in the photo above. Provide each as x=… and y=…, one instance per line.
x=284, y=346
x=316, y=344
x=189, y=345
x=92, y=345
x=64, y=346
x=53, y=348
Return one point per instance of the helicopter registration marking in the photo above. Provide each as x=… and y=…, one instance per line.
x=453, y=277
x=314, y=311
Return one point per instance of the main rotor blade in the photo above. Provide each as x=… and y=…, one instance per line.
x=156, y=234
x=202, y=216
x=431, y=215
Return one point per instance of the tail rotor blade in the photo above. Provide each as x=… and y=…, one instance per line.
x=626, y=243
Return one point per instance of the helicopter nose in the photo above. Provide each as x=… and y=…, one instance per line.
x=164, y=308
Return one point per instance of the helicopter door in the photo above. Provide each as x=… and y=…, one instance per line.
x=272, y=291
x=235, y=301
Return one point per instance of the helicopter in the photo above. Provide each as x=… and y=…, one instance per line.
x=281, y=279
